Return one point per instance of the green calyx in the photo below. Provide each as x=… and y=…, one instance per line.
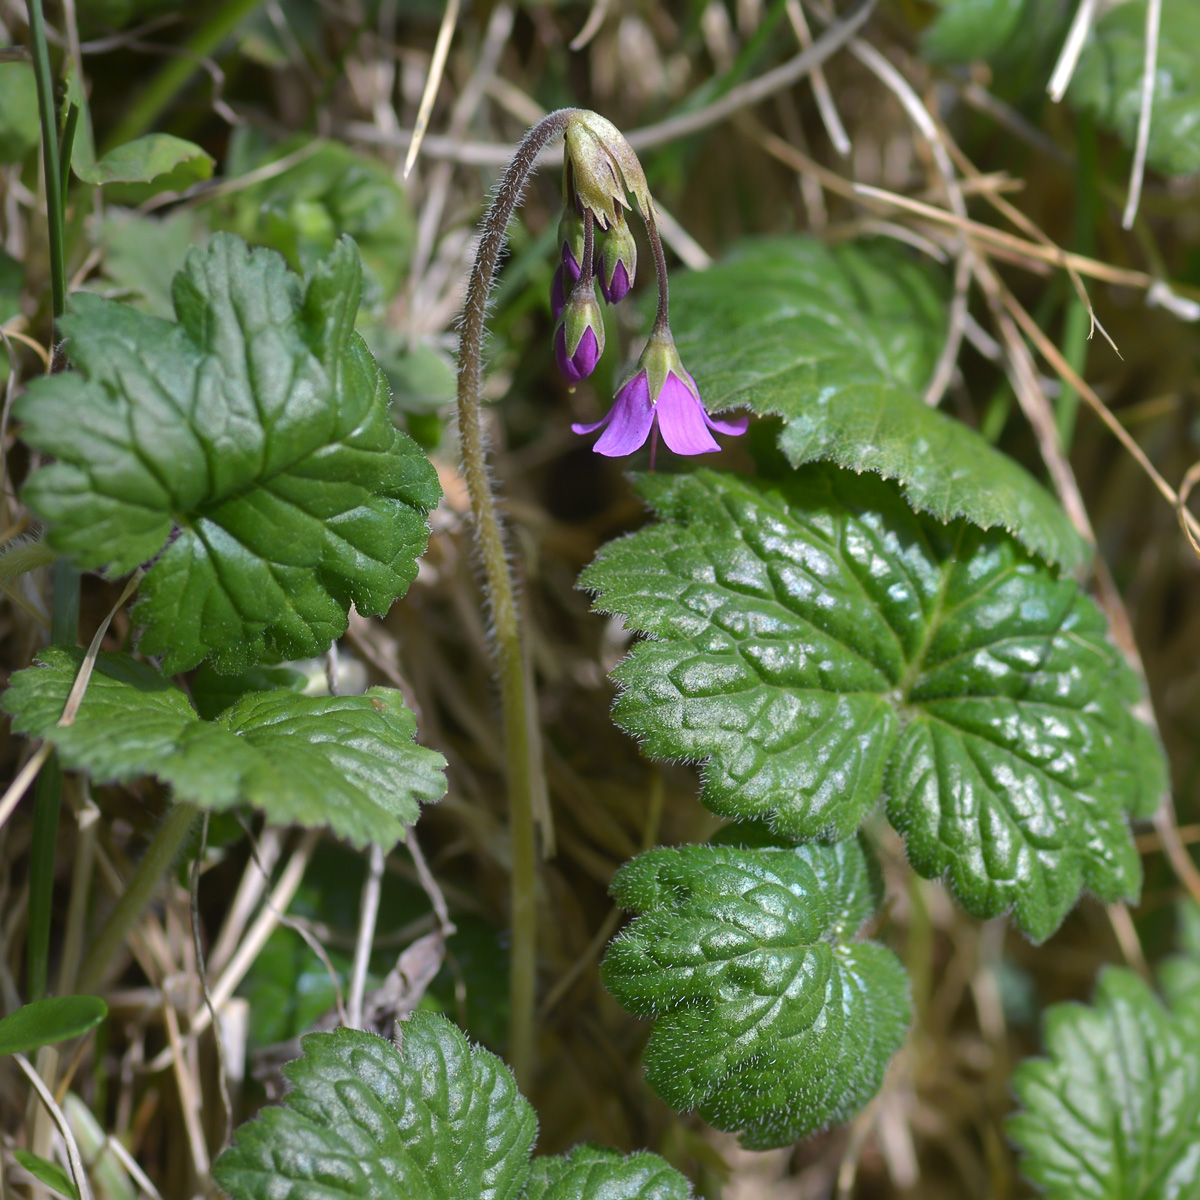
x=619, y=247
x=605, y=168
x=660, y=359
x=571, y=233
x=581, y=313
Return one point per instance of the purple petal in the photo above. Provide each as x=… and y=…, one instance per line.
x=616, y=291
x=735, y=426
x=583, y=362
x=682, y=419
x=579, y=427
x=629, y=421
x=568, y=261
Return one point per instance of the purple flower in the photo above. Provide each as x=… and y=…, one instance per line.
x=558, y=286
x=581, y=362
x=617, y=288
x=677, y=414
x=617, y=262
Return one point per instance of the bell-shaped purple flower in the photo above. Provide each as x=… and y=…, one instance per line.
x=618, y=262
x=579, y=336
x=662, y=396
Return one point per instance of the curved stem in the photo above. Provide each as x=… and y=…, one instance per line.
x=521, y=764
x=661, y=317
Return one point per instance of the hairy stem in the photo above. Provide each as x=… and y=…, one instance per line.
x=662, y=320
x=520, y=764
x=146, y=876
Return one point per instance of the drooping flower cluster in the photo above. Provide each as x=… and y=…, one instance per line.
x=600, y=172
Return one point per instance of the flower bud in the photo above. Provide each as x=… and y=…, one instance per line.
x=604, y=168
x=618, y=261
x=579, y=338
x=570, y=245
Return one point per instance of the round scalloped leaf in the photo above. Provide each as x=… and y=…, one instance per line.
x=817, y=644
x=770, y=1017
x=247, y=450
x=840, y=342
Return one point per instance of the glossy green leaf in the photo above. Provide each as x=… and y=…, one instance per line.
x=594, y=1173
x=1113, y=1110
x=1108, y=81
x=840, y=342
x=348, y=762
x=436, y=1119
x=770, y=1016
x=818, y=644
x=45, y=1022
x=247, y=450
x=51, y=1174
x=158, y=157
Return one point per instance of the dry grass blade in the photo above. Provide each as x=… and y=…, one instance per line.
x=820, y=85
x=1181, y=510
x=1145, y=112
x=74, y=1158
x=1068, y=58
x=441, y=50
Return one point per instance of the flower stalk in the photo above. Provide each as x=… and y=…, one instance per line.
x=521, y=736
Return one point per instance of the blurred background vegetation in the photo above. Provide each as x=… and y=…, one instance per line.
x=301, y=111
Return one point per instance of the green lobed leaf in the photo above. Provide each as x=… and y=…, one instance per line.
x=1113, y=1111
x=596, y=1173
x=436, y=1119
x=51, y=1174
x=1108, y=81
x=348, y=762
x=770, y=1017
x=155, y=157
x=840, y=342
x=817, y=644
x=247, y=449
x=45, y=1022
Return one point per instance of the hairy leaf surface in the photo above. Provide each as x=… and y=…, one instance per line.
x=840, y=343
x=1113, y=1111
x=247, y=449
x=348, y=762
x=436, y=1119
x=819, y=643
x=1108, y=81
x=770, y=1017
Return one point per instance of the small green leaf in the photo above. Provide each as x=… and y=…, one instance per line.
x=1113, y=1111
x=45, y=1022
x=770, y=1017
x=435, y=1119
x=1108, y=81
x=971, y=29
x=840, y=342
x=819, y=643
x=248, y=450
x=20, y=126
x=159, y=158
x=348, y=762
x=594, y=1173
x=51, y=1174
x=142, y=254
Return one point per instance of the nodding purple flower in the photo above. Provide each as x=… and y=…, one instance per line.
x=618, y=262
x=672, y=408
x=579, y=336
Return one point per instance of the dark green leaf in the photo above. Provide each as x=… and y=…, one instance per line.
x=593, y=1173
x=348, y=762
x=249, y=448
x=20, y=127
x=1108, y=81
x=840, y=342
x=212, y=693
x=51, y=1174
x=47, y=1021
x=819, y=643
x=156, y=158
x=435, y=1119
x=1113, y=1111
x=770, y=1017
